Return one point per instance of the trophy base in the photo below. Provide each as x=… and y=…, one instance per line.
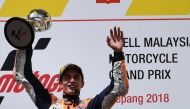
x=19, y=33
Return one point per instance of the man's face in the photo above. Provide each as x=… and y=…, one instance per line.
x=72, y=82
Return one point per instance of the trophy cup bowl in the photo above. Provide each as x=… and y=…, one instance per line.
x=20, y=32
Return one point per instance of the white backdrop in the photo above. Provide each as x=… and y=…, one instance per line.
x=84, y=43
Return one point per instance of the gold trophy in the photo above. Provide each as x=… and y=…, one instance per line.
x=20, y=32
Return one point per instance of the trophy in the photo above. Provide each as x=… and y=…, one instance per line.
x=20, y=32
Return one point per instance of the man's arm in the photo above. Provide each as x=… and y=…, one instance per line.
x=119, y=81
x=23, y=74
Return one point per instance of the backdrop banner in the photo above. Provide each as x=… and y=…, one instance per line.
x=156, y=49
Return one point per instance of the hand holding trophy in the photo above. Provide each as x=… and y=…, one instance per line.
x=20, y=32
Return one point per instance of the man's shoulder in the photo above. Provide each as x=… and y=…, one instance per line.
x=87, y=100
x=54, y=99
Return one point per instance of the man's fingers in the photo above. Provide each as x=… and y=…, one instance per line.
x=118, y=31
x=122, y=37
x=112, y=35
x=108, y=40
x=121, y=34
x=118, y=34
x=115, y=31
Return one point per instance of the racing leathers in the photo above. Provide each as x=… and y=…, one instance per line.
x=44, y=100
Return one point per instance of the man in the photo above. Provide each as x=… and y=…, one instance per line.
x=72, y=80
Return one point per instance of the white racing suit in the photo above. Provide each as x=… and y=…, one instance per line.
x=44, y=100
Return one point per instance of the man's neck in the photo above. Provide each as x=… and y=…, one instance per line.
x=70, y=99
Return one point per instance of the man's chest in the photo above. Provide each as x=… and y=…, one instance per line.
x=60, y=106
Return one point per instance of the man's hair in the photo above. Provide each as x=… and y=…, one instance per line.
x=68, y=67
